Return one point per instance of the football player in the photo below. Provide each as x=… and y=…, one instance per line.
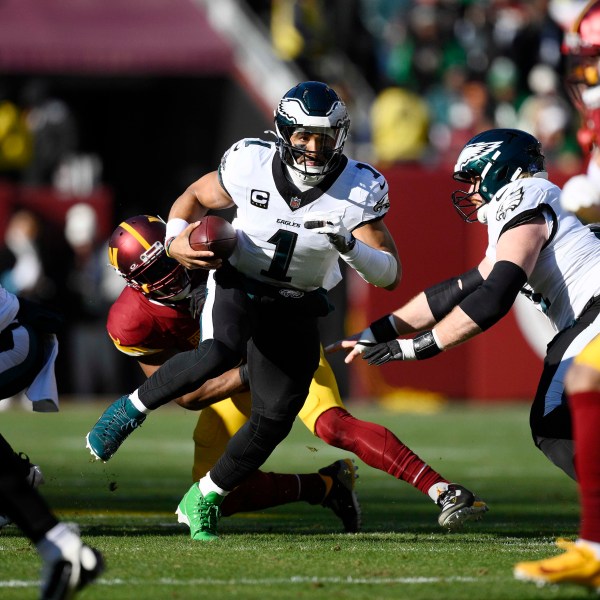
x=301, y=204
x=536, y=247
x=69, y=564
x=152, y=321
x=580, y=563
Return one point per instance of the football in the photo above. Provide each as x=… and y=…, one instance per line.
x=214, y=234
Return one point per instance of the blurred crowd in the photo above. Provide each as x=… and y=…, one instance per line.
x=440, y=70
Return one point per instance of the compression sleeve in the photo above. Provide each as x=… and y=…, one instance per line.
x=444, y=296
x=494, y=297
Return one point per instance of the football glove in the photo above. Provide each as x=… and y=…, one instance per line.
x=424, y=345
x=382, y=353
x=337, y=233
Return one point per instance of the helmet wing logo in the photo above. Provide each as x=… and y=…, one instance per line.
x=473, y=152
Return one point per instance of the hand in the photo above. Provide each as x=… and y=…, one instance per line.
x=382, y=353
x=337, y=233
x=181, y=251
x=354, y=344
x=197, y=299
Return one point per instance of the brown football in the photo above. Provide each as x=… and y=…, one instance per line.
x=214, y=234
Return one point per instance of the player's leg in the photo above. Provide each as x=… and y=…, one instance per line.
x=280, y=369
x=580, y=563
x=325, y=415
x=68, y=563
x=260, y=490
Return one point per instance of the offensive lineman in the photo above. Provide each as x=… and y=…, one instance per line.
x=536, y=247
x=301, y=204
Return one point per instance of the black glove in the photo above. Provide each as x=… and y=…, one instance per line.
x=197, y=299
x=39, y=316
x=382, y=353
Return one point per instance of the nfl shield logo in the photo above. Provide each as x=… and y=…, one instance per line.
x=295, y=202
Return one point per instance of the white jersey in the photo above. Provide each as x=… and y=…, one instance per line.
x=567, y=273
x=9, y=307
x=273, y=245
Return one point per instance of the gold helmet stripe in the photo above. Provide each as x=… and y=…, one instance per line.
x=129, y=229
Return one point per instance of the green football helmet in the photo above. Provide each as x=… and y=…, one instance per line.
x=312, y=106
x=494, y=158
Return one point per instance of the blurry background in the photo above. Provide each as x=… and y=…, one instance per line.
x=110, y=108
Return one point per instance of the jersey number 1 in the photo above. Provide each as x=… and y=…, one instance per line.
x=285, y=242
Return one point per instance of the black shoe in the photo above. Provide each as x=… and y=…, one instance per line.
x=342, y=499
x=458, y=505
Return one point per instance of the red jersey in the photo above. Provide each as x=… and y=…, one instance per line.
x=139, y=326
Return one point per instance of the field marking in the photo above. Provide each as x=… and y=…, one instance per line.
x=16, y=583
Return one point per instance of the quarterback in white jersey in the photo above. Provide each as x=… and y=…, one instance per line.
x=534, y=247
x=301, y=206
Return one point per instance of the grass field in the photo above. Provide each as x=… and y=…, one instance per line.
x=125, y=508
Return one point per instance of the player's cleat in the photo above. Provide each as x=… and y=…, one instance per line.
x=578, y=564
x=113, y=427
x=458, y=505
x=342, y=499
x=32, y=473
x=200, y=513
x=73, y=570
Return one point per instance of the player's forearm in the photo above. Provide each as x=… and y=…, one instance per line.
x=414, y=316
x=214, y=390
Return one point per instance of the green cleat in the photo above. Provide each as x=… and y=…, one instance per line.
x=113, y=427
x=200, y=513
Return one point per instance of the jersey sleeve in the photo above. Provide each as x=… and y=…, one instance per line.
x=241, y=161
x=130, y=330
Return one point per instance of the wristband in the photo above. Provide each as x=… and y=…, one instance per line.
x=384, y=329
x=426, y=345
x=175, y=227
x=168, y=245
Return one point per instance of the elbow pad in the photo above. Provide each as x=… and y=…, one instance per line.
x=444, y=296
x=374, y=266
x=494, y=297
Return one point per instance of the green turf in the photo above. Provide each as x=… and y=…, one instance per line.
x=125, y=508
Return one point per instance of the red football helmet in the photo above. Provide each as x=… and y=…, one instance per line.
x=137, y=253
x=582, y=48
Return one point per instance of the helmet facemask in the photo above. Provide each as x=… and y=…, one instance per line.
x=463, y=201
x=158, y=276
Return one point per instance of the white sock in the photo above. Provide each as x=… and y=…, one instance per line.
x=207, y=485
x=58, y=541
x=594, y=546
x=436, y=489
x=135, y=400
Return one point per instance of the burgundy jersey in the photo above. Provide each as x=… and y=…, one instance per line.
x=139, y=326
